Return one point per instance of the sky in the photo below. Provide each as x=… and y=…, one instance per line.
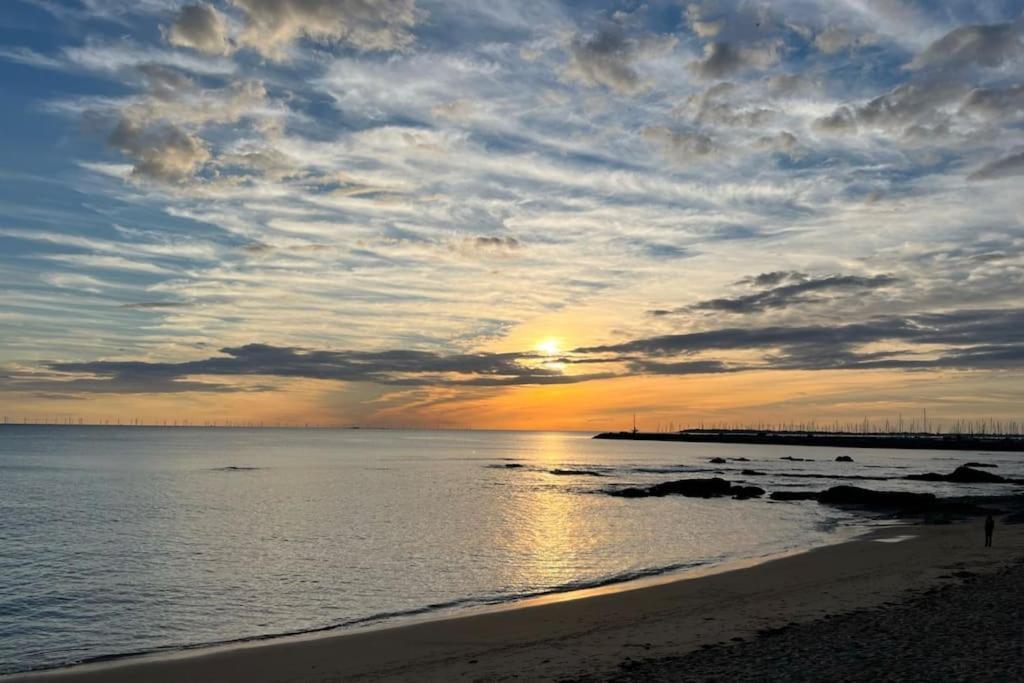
x=530, y=215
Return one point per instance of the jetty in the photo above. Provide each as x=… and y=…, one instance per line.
x=913, y=440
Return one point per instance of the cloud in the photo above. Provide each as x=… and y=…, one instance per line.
x=835, y=38
x=801, y=291
x=456, y=110
x=679, y=145
x=962, y=339
x=173, y=97
x=201, y=28
x=782, y=142
x=724, y=59
x=658, y=250
x=737, y=22
x=959, y=339
x=162, y=153
x=156, y=305
x=905, y=107
x=608, y=58
x=1011, y=165
x=29, y=57
x=160, y=129
x=990, y=45
x=271, y=26
x=995, y=103
x=712, y=107
x=774, y=278
x=487, y=246
x=392, y=367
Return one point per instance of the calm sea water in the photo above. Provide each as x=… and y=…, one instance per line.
x=122, y=540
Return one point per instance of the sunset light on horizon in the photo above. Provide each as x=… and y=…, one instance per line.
x=522, y=215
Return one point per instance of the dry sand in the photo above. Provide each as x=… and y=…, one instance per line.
x=881, y=580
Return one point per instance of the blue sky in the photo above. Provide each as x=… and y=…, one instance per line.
x=361, y=211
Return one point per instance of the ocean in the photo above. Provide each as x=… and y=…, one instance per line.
x=119, y=540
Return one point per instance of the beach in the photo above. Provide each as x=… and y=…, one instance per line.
x=689, y=628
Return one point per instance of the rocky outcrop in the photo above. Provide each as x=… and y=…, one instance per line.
x=746, y=492
x=791, y=458
x=752, y=473
x=844, y=458
x=718, y=461
x=691, y=488
x=854, y=495
x=962, y=475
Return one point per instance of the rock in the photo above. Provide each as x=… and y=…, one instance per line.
x=691, y=488
x=581, y=473
x=631, y=492
x=741, y=459
x=844, y=458
x=962, y=475
x=745, y=492
x=752, y=473
x=790, y=457
x=794, y=495
x=854, y=495
x=512, y=465
x=718, y=461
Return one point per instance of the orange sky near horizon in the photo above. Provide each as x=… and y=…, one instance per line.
x=657, y=401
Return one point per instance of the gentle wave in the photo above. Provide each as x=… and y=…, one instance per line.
x=396, y=616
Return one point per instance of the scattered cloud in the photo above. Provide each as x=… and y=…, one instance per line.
x=679, y=145
x=1005, y=167
x=801, y=289
x=836, y=38
x=327, y=174
x=982, y=45
x=725, y=59
x=609, y=58
x=200, y=27
x=271, y=26
x=163, y=153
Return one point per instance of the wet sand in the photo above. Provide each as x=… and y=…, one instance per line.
x=662, y=632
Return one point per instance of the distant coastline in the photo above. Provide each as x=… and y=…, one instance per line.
x=905, y=440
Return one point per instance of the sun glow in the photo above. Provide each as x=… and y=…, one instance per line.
x=549, y=347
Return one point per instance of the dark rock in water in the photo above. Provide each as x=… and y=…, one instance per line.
x=962, y=475
x=979, y=464
x=235, y=468
x=718, y=461
x=692, y=488
x=752, y=473
x=794, y=495
x=745, y=492
x=854, y=495
x=740, y=459
x=581, y=473
x=844, y=458
x=631, y=492
x=809, y=475
x=791, y=458
x=512, y=465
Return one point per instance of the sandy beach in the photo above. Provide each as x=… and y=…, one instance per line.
x=799, y=608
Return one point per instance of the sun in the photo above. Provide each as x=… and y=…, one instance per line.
x=549, y=347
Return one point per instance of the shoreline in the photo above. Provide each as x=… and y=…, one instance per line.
x=638, y=580
x=569, y=634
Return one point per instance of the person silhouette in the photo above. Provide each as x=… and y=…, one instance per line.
x=990, y=524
